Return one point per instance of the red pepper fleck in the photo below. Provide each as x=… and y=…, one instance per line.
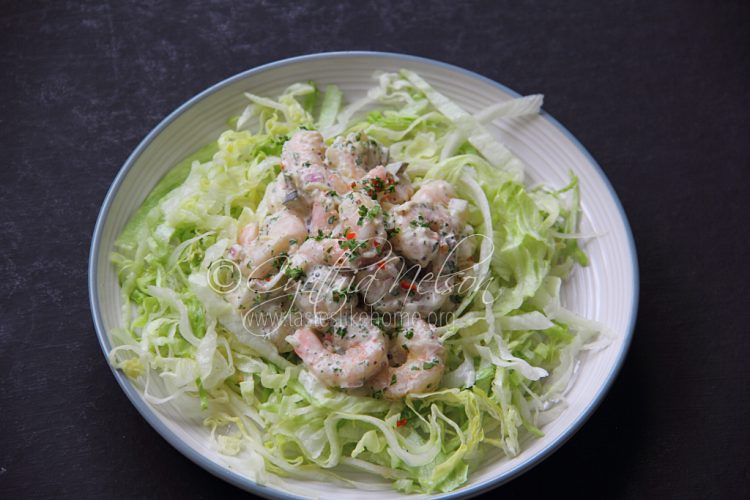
x=408, y=285
x=401, y=423
x=354, y=184
x=381, y=264
x=351, y=236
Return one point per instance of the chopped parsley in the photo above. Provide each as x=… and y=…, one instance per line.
x=378, y=321
x=278, y=262
x=320, y=236
x=392, y=232
x=367, y=214
x=295, y=273
x=420, y=222
x=429, y=364
x=377, y=185
x=339, y=295
x=353, y=246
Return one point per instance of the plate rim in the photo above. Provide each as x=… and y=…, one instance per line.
x=246, y=483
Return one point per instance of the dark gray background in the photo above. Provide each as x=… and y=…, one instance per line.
x=657, y=91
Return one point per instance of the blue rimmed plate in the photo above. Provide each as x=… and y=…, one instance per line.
x=606, y=291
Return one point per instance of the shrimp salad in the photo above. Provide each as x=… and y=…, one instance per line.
x=365, y=287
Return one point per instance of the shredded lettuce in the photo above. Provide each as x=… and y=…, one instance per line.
x=512, y=348
x=329, y=108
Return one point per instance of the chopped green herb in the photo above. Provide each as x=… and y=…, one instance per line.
x=339, y=295
x=362, y=211
x=353, y=246
x=391, y=232
x=378, y=321
x=429, y=364
x=420, y=222
x=369, y=214
x=320, y=236
x=278, y=262
x=295, y=273
x=377, y=185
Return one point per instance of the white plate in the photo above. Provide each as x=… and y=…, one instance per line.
x=606, y=291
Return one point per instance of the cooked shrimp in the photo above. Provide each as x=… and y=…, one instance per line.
x=426, y=225
x=279, y=232
x=362, y=216
x=264, y=313
x=302, y=160
x=324, y=280
x=351, y=352
x=386, y=287
x=303, y=150
x=434, y=192
x=248, y=234
x=325, y=292
x=417, y=231
x=241, y=297
x=324, y=217
x=378, y=284
x=282, y=194
x=340, y=226
x=387, y=187
x=270, y=318
x=417, y=360
x=325, y=251
x=338, y=183
x=354, y=155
